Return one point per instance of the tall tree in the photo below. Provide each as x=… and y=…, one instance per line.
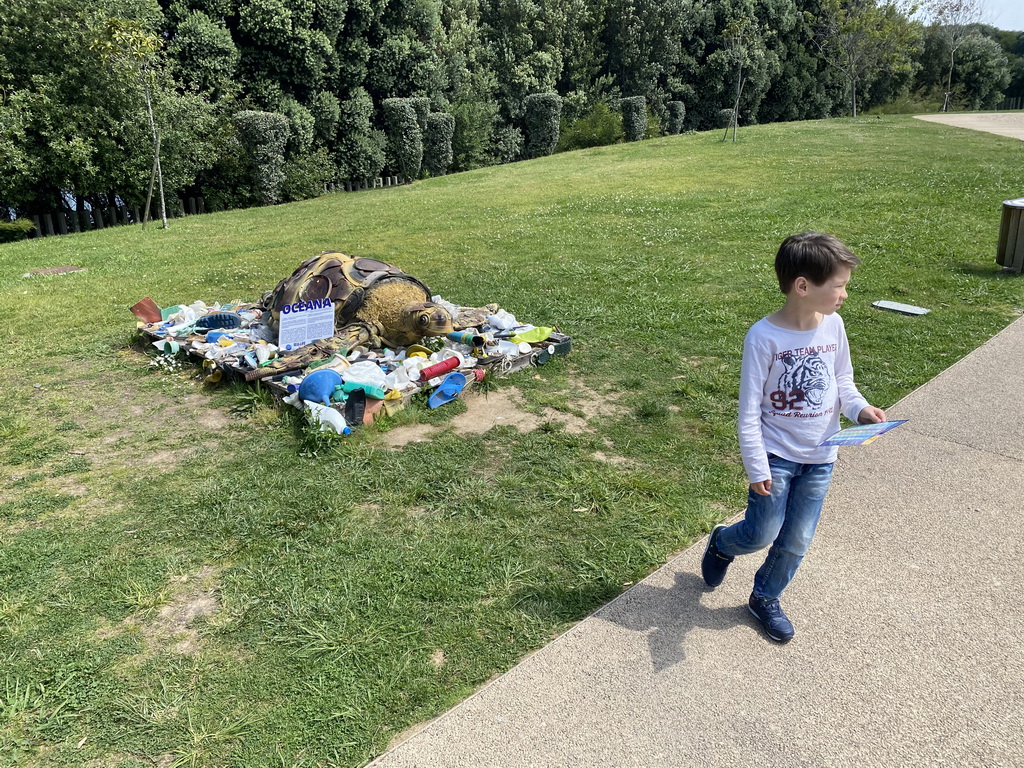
x=805, y=86
x=404, y=43
x=468, y=83
x=522, y=52
x=730, y=37
x=862, y=38
x=954, y=21
x=76, y=129
x=983, y=73
x=129, y=48
x=643, y=42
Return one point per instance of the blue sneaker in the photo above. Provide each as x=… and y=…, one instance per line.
x=773, y=620
x=714, y=564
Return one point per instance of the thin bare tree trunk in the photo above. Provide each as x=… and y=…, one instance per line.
x=736, y=106
x=152, y=181
x=949, y=83
x=156, y=158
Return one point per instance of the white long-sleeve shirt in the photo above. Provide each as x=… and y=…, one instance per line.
x=793, y=385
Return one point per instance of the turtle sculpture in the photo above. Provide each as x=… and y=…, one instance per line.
x=375, y=305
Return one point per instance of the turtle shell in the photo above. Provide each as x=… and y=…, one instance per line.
x=344, y=279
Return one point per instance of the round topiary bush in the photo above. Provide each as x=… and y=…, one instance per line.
x=725, y=118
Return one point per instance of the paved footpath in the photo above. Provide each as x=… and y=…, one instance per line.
x=1003, y=123
x=909, y=611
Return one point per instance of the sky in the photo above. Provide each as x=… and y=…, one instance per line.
x=1005, y=14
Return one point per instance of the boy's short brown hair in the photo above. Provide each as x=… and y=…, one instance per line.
x=813, y=255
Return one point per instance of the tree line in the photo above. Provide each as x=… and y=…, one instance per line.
x=248, y=102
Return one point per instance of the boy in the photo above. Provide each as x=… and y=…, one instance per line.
x=795, y=377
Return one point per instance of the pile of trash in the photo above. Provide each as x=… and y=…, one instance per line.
x=349, y=387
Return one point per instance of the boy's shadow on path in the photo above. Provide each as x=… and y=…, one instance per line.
x=669, y=614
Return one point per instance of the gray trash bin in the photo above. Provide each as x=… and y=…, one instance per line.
x=1010, y=252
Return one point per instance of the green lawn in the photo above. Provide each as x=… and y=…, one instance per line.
x=189, y=578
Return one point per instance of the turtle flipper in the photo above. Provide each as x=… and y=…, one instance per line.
x=472, y=317
x=298, y=359
x=360, y=333
x=357, y=334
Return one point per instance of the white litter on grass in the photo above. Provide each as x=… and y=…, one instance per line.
x=903, y=309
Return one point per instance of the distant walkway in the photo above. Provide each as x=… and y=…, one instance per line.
x=1002, y=123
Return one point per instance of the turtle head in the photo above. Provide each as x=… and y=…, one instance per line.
x=427, y=318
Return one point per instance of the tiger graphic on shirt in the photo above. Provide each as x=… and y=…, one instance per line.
x=805, y=379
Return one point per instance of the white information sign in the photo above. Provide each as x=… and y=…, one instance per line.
x=305, y=321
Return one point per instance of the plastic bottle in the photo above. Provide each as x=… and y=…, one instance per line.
x=327, y=418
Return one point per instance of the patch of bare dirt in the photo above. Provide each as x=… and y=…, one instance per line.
x=212, y=418
x=501, y=408
x=413, y=433
x=616, y=461
x=506, y=407
x=593, y=404
x=119, y=419
x=191, y=598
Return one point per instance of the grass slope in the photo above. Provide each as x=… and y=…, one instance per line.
x=183, y=586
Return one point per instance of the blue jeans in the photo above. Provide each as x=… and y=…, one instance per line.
x=786, y=520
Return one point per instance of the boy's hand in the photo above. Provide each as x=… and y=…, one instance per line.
x=870, y=415
x=762, y=488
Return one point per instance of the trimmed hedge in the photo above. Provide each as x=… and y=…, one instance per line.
x=437, y=143
x=405, y=140
x=543, y=112
x=634, y=117
x=264, y=135
x=361, y=148
x=306, y=175
x=19, y=229
x=303, y=126
x=676, y=116
x=326, y=111
x=725, y=118
x=421, y=104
